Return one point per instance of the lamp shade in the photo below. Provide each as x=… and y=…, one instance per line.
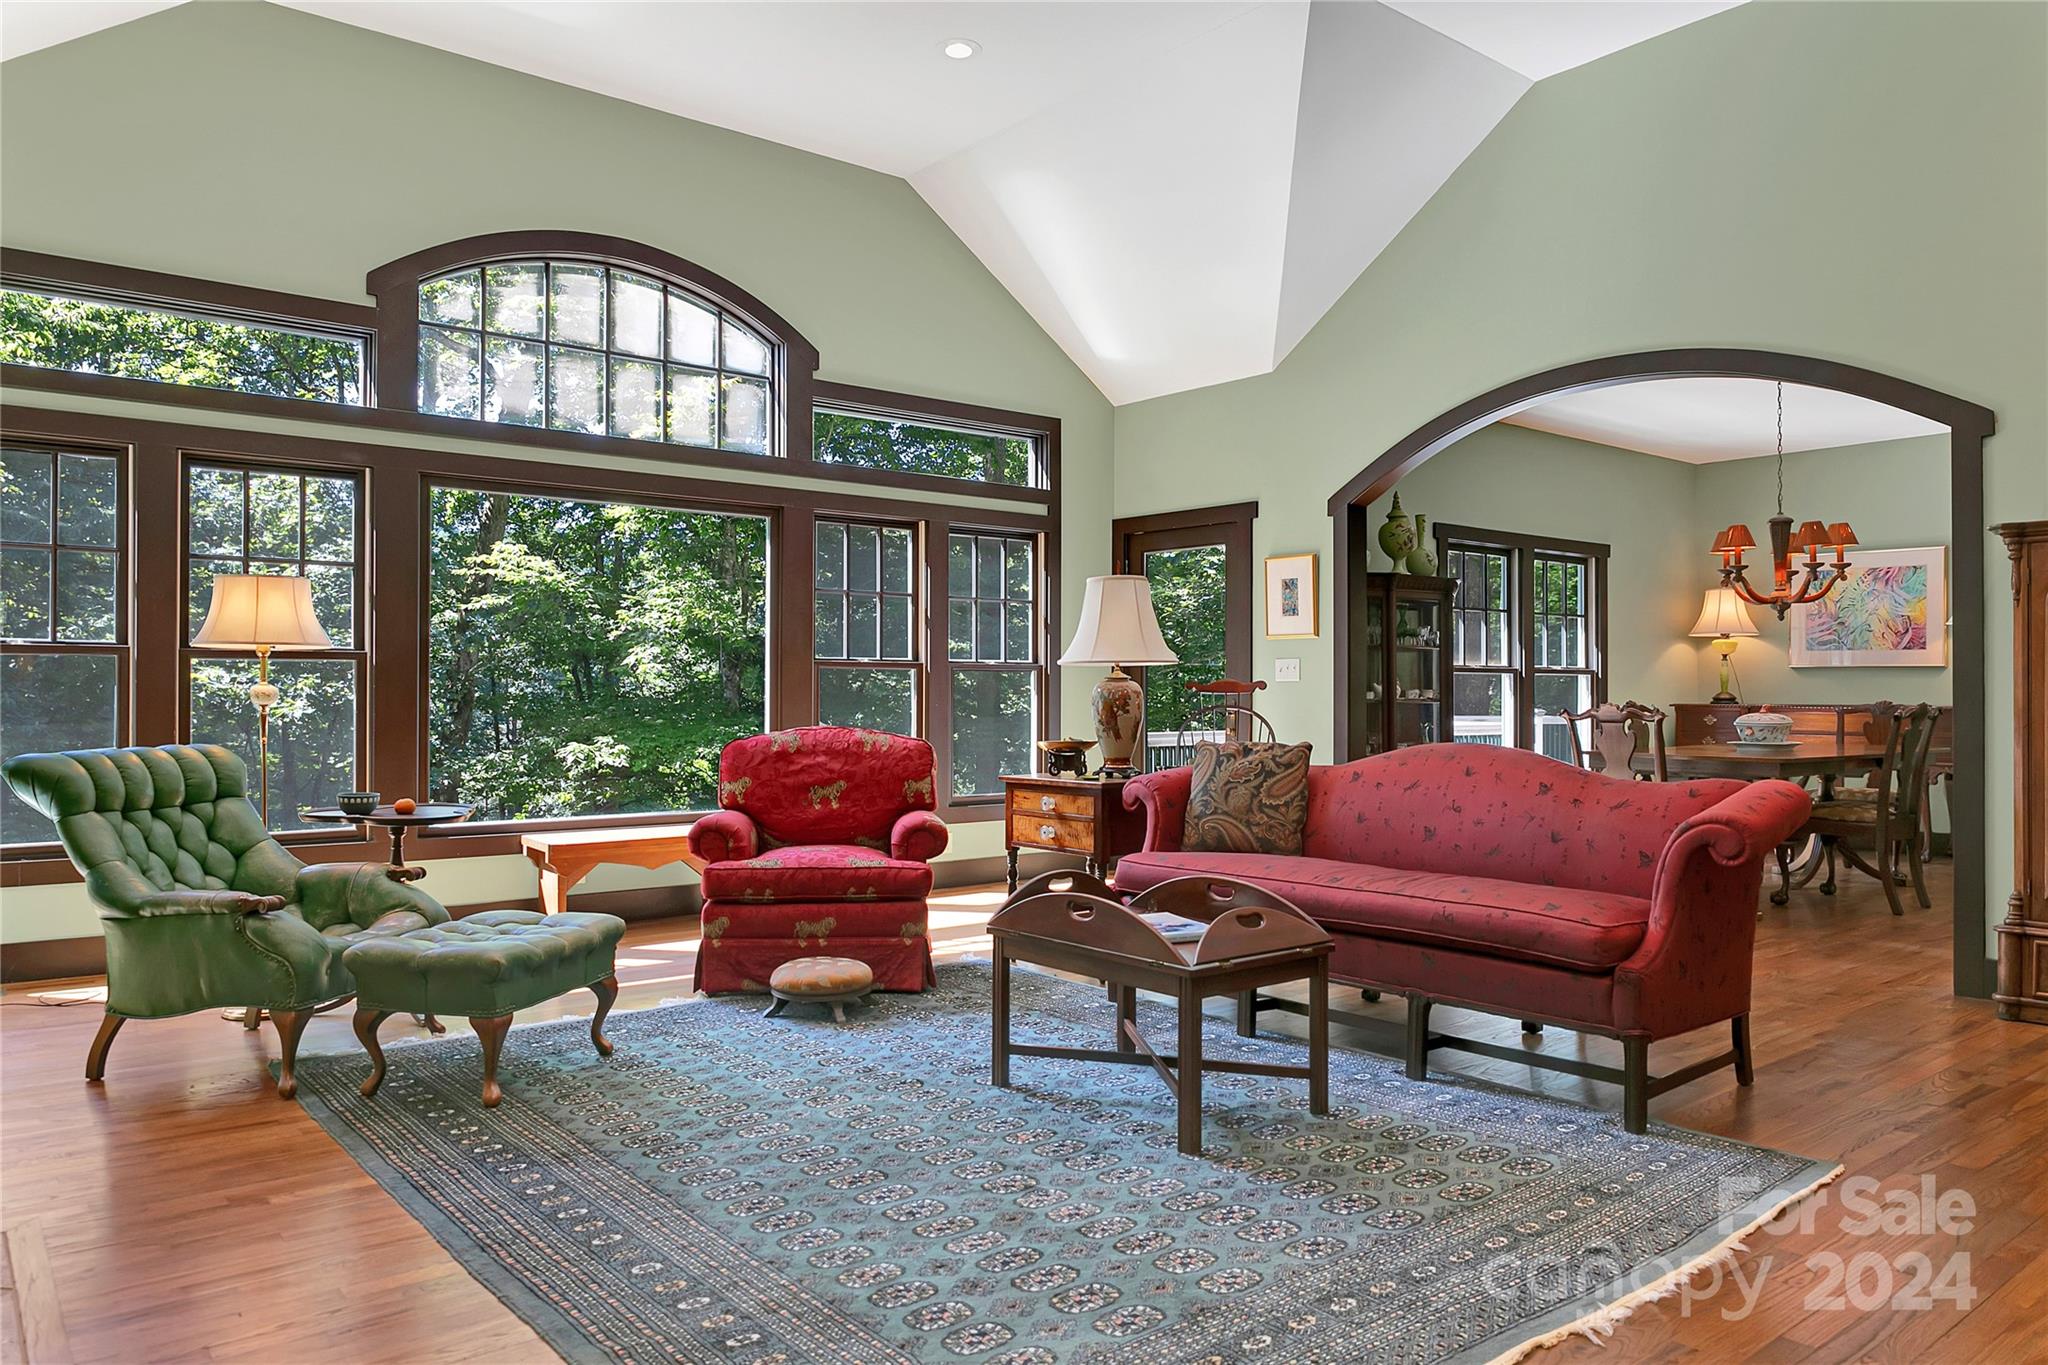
x=1722, y=613
x=261, y=611
x=1118, y=625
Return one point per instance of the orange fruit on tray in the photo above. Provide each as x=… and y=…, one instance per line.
x=404, y=805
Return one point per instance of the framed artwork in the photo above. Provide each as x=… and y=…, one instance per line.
x=1290, y=596
x=1891, y=611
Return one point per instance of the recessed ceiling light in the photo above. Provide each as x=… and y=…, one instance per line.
x=960, y=49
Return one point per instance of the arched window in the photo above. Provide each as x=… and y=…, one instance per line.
x=592, y=335
x=592, y=348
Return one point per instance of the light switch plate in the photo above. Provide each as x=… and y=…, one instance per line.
x=1287, y=670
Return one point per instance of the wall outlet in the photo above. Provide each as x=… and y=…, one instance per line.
x=1287, y=670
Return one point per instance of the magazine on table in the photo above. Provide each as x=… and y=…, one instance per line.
x=1174, y=928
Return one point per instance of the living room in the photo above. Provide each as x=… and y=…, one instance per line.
x=551, y=533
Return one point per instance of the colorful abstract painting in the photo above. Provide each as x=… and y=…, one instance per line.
x=1889, y=611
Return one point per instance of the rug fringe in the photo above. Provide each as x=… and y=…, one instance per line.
x=1602, y=1323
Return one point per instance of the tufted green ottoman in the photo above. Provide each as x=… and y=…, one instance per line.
x=485, y=967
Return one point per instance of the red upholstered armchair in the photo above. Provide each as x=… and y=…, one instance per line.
x=821, y=846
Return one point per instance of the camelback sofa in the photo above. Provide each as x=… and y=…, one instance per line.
x=1500, y=880
x=821, y=846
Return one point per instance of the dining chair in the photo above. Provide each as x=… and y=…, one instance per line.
x=1617, y=734
x=1940, y=766
x=1887, y=820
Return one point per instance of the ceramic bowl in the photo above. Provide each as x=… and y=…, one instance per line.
x=357, y=803
x=1763, y=727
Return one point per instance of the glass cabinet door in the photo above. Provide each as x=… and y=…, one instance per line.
x=1418, y=674
x=1373, y=663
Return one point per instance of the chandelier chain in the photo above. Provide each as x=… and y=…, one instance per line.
x=1781, y=446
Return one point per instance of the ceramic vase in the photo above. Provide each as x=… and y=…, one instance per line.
x=1422, y=559
x=1397, y=534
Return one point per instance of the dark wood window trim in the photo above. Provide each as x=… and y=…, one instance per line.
x=396, y=478
x=1524, y=551
x=1230, y=526
x=917, y=595
x=973, y=806
x=392, y=409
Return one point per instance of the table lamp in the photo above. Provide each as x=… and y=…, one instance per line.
x=1723, y=618
x=1118, y=627
x=261, y=612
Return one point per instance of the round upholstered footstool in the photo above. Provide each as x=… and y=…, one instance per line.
x=834, y=981
x=484, y=967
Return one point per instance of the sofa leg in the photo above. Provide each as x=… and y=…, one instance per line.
x=1635, y=1085
x=1745, y=1060
x=1531, y=1026
x=1418, y=1037
x=96, y=1057
x=1248, y=1014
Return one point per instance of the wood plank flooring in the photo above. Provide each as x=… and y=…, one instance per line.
x=185, y=1213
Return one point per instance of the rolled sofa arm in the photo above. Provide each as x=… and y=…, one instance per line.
x=1164, y=798
x=919, y=837
x=725, y=836
x=207, y=903
x=1741, y=828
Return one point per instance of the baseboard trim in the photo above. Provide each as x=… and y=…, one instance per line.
x=61, y=959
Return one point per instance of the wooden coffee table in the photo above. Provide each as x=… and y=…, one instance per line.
x=565, y=857
x=1254, y=939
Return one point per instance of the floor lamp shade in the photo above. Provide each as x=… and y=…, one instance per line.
x=1118, y=626
x=262, y=612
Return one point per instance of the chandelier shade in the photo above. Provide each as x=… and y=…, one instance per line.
x=1816, y=578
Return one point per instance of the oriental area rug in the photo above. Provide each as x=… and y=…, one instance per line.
x=738, y=1189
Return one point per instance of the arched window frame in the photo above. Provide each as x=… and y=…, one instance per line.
x=793, y=359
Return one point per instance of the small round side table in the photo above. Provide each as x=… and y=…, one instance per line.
x=390, y=820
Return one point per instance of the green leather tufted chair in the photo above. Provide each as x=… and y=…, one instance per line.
x=202, y=907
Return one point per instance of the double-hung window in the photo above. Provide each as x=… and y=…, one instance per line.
x=992, y=631
x=258, y=519
x=64, y=639
x=1529, y=630
x=866, y=625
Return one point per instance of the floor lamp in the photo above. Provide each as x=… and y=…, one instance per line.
x=261, y=612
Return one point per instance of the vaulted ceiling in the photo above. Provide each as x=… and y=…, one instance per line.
x=1177, y=191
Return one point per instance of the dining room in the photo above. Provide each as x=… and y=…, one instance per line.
x=1693, y=578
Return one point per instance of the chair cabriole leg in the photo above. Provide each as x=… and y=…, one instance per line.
x=1635, y=1086
x=491, y=1033
x=290, y=1024
x=96, y=1057
x=366, y=1023
x=1745, y=1060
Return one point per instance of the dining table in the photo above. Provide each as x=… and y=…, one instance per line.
x=1828, y=759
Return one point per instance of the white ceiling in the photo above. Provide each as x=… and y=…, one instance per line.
x=1703, y=421
x=1177, y=191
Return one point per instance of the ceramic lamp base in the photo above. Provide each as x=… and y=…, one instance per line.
x=1118, y=702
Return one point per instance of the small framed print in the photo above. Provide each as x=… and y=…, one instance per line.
x=1290, y=596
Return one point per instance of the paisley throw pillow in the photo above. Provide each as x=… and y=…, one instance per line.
x=1247, y=798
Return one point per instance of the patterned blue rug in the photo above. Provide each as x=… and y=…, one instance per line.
x=735, y=1189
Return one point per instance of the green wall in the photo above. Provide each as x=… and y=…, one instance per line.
x=266, y=147
x=1861, y=182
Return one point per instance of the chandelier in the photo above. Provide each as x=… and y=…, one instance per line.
x=1816, y=577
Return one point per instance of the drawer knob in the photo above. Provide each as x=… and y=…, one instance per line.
x=1045, y=803
x=1046, y=831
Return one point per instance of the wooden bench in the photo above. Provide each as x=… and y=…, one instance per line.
x=566, y=856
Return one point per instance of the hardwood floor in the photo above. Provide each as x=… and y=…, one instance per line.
x=181, y=1211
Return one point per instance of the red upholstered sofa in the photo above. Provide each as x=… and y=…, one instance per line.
x=821, y=846
x=1500, y=880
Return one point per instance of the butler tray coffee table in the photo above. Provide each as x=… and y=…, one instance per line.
x=1253, y=939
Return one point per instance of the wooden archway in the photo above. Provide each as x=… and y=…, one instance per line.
x=1969, y=425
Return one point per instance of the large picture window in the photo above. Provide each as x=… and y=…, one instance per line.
x=128, y=341
x=589, y=348
x=864, y=601
x=252, y=519
x=588, y=657
x=1529, y=625
x=63, y=582
x=992, y=634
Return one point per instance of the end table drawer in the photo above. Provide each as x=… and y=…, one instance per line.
x=1081, y=805
x=1052, y=831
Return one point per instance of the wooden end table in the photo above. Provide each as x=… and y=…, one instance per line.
x=1083, y=815
x=1254, y=939
x=420, y=817
x=565, y=857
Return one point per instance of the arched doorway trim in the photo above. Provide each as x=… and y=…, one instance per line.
x=1969, y=425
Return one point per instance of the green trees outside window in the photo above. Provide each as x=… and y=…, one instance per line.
x=906, y=447
x=589, y=658
x=93, y=337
